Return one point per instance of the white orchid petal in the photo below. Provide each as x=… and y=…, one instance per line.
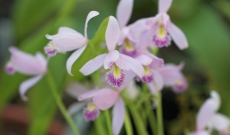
x=118, y=116
x=164, y=6
x=124, y=11
x=90, y=16
x=87, y=95
x=111, y=58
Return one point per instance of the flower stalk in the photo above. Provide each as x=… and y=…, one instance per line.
x=159, y=115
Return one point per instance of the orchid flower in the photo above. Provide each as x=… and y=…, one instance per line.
x=68, y=39
x=103, y=99
x=173, y=77
x=26, y=64
x=114, y=61
x=206, y=113
x=164, y=29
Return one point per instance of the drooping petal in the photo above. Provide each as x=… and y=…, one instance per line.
x=75, y=89
x=178, y=37
x=42, y=60
x=75, y=107
x=93, y=64
x=205, y=114
x=118, y=116
x=111, y=58
x=144, y=59
x=74, y=56
x=26, y=63
x=124, y=11
x=158, y=80
x=112, y=33
x=220, y=122
x=88, y=94
x=68, y=41
x=164, y=5
x=26, y=85
x=105, y=98
x=90, y=16
x=134, y=65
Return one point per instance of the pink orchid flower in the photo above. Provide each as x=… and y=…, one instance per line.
x=103, y=99
x=68, y=39
x=205, y=114
x=26, y=64
x=114, y=61
x=162, y=26
x=173, y=77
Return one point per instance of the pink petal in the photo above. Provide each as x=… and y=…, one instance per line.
x=69, y=30
x=111, y=58
x=26, y=63
x=90, y=16
x=156, y=62
x=164, y=6
x=129, y=76
x=118, y=116
x=134, y=65
x=137, y=28
x=93, y=64
x=216, y=97
x=220, y=122
x=75, y=89
x=203, y=132
x=205, y=114
x=144, y=59
x=88, y=94
x=122, y=64
x=144, y=39
x=42, y=60
x=158, y=80
x=124, y=11
x=74, y=56
x=152, y=88
x=105, y=98
x=26, y=85
x=112, y=33
x=75, y=107
x=68, y=41
x=178, y=37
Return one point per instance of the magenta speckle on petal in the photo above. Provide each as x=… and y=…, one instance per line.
x=113, y=80
x=147, y=79
x=9, y=69
x=131, y=53
x=91, y=115
x=161, y=42
x=50, y=50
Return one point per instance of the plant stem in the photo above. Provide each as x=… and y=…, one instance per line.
x=159, y=115
x=152, y=119
x=108, y=122
x=128, y=125
x=60, y=104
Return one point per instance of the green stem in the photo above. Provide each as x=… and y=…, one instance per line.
x=60, y=104
x=108, y=122
x=128, y=125
x=152, y=119
x=159, y=115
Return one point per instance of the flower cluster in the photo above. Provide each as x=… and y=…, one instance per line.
x=131, y=60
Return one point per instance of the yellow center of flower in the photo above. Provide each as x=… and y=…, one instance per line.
x=147, y=70
x=161, y=32
x=116, y=71
x=179, y=82
x=91, y=106
x=128, y=45
x=51, y=46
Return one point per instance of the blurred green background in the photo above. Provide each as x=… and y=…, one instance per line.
x=206, y=23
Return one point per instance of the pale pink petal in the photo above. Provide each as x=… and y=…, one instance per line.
x=203, y=132
x=220, y=122
x=144, y=39
x=122, y=64
x=68, y=41
x=158, y=80
x=74, y=56
x=105, y=98
x=164, y=5
x=50, y=37
x=75, y=107
x=156, y=62
x=90, y=16
x=26, y=63
x=144, y=59
x=178, y=37
x=42, y=60
x=111, y=58
x=26, y=85
x=215, y=96
x=205, y=114
x=89, y=94
x=137, y=28
x=134, y=65
x=124, y=11
x=75, y=89
x=118, y=116
x=112, y=33
x=93, y=64
x=129, y=76
x=68, y=30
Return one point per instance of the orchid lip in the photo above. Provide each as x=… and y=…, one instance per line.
x=50, y=50
x=91, y=112
x=180, y=86
x=115, y=76
x=148, y=77
x=128, y=49
x=161, y=38
x=9, y=69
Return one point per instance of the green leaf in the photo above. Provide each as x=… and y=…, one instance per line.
x=92, y=50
